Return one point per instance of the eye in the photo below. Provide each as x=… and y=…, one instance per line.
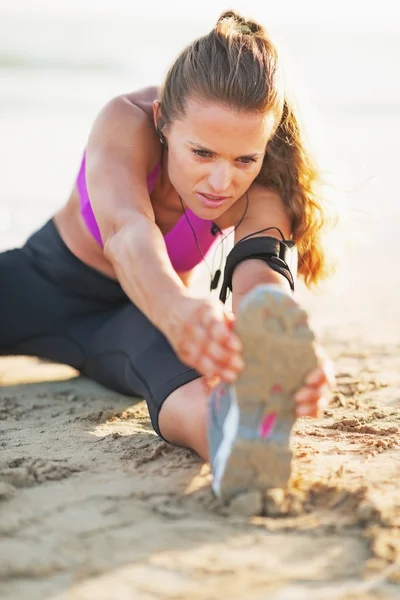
x=201, y=153
x=246, y=160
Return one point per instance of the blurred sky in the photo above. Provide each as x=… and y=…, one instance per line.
x=353, y=13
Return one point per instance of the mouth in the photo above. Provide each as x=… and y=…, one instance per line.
x=212, y=201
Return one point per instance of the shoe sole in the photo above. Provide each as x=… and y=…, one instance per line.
x=278, y=351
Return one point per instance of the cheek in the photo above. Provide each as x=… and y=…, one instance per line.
x=183, y=170
x=179, y=163
x=247, y=176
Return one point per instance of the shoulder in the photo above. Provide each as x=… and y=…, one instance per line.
x=259, y=208
x=264, y=194
x=137, y=105
x=144, y=99
x=122, y=122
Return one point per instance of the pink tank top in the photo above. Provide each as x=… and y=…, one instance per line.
x=180, y=241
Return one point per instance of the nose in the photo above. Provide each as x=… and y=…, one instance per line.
x=220, y=178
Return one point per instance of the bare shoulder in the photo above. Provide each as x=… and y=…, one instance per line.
x=144, y=99
x=264, y=198
x=265, y=208
x=118, y=123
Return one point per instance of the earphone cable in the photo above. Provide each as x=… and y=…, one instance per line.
x=214, y=279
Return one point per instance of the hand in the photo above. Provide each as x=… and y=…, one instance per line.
x=312, y=398
x=203, y=338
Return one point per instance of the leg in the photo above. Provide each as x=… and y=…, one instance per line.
x=54, y=306
x=126, y=353
x=244, y=428
x=46, y=294
x=32, y=311
x=183, y=417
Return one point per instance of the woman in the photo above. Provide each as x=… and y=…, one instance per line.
x=104, y=285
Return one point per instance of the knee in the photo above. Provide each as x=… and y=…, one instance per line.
x=184, y=409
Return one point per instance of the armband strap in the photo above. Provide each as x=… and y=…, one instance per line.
x=281, y=256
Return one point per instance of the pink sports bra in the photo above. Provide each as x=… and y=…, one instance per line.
x=180, y=241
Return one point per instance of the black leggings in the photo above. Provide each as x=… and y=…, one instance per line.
x=54, y=306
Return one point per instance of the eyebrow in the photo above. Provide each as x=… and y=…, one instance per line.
x=201, y=147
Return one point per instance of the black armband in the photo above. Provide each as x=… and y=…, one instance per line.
x=280, y=256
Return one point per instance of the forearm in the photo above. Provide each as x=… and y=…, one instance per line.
x=250, y=273
x=139, y=256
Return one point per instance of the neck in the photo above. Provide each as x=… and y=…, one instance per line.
x=166, y=185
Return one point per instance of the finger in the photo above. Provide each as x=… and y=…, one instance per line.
x=316, y=376
x=207, y=367
x=191, y=350
x=324, y=371
x=228, y=375
x=234, y=343
x=224, y=359
x=306, y=410
x=230, y=320
x=223, y=331
x=322, y=374
x=210, y=382
x=322, y=403
x=216, y=352
x=312, y=409
x=220, y=331
x=329, y=369
x=309, y=395
x=211, y=370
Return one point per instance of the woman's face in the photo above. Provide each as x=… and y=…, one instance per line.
x=214, y=155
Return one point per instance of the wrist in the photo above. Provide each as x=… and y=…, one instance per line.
x=171, y=310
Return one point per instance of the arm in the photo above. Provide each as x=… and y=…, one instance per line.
x=265, y=209
x=122, y=149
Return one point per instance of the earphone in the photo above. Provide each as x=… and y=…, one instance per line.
x=214, y=279
x=163, y=140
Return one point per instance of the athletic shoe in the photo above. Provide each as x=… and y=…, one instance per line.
x=249, y=422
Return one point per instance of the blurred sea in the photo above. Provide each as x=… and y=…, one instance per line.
x=57, y=69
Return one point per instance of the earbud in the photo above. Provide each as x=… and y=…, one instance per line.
x=215, y=280
x=160, y=125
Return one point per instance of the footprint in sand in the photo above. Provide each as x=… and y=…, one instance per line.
x=28, y=472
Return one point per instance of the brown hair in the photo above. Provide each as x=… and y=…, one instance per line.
x=236, y=64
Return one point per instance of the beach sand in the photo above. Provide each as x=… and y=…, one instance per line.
x=94, y=505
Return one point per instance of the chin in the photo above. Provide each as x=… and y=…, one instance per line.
x=209, y=214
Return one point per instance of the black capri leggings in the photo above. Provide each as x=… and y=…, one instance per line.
x=54, y=306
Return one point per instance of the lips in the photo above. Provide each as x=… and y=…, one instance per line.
x=212, y=201
x=215, y=198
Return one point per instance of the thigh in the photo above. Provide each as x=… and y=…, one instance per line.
x=46, y=295
x=127, y=353
x=32, y=310
x=67, y=313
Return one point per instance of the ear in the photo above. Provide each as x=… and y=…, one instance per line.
x=156, y=112
x=159, y=123
x=157, y=116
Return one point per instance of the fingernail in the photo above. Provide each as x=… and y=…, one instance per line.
x=302, y=395
x=315, y=376
x=235, y=344
x=229, y=376
x=237, y=363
